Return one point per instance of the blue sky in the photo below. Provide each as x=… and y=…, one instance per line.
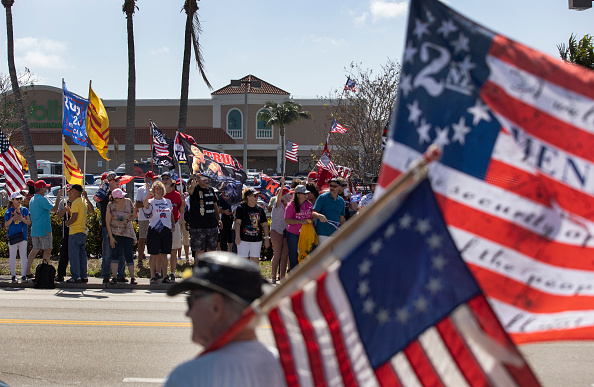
x=299, y=46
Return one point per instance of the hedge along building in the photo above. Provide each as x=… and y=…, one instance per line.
x=215, y=123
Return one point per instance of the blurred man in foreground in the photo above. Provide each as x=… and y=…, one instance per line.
x=221, y=286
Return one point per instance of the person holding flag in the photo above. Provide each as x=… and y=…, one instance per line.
x=16, y=220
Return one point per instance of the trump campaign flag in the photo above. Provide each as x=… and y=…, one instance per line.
x=98, y=123
x=350, y=85
x=71, y=168
x=74, y=117
x=516, y=178
x=268, y=187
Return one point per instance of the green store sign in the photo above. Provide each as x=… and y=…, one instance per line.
x=50, y=113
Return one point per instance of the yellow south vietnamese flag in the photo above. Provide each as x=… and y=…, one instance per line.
x=97, y=124
x=22, y=159
x=71, y=168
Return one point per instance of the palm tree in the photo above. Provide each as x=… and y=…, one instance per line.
x=282, y=115
x=129, y=8
x=581, y=53
x=190, y=39
x=27, y=139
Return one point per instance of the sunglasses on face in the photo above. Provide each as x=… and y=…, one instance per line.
x=193, y=297
x=18, y=199
x=165, y=178
x=333, y=186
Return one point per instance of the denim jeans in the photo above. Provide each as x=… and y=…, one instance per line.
x=77, y=253
x=292, y=243
x=106, y=261
x=122, y=252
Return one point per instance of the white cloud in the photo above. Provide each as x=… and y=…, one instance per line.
x=160, y=51
x=40, y=53
x=387, y=9
x=323, y=41
x=360, y=20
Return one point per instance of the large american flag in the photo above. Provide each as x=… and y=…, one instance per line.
x=10, y=166
x=516, y=178
x=291, y=151
x=397, y=307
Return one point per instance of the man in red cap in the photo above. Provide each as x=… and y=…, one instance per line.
x=312, y=177
x=143, y=221
x=41, y=226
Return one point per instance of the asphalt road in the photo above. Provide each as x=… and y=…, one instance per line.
x=134, y=338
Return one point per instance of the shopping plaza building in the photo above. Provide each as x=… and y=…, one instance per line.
x=215, y=123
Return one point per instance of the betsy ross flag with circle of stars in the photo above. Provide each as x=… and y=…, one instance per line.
x=400, y=308
x=10, y=166
x=516, y=178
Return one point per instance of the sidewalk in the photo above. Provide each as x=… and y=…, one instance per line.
x=94, y=283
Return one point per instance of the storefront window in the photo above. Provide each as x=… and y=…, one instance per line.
x=234, y=123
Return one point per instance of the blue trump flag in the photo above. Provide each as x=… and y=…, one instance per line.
x=74, y=118
x=397, y=307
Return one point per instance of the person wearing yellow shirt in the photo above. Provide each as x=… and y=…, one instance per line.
x=77, y=239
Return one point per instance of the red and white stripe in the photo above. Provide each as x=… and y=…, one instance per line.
x=345, y=172
x=11, y=168
x=291, y=151
x=526, y=232
x=318, y=342
x=160, y=149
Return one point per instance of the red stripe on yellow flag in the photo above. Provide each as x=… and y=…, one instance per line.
x=71, y=169
x=99, y=122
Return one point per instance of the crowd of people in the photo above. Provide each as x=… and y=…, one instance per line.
x=173, y=217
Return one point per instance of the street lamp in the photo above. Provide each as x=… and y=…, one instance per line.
x=580, y=5
x=256, y=84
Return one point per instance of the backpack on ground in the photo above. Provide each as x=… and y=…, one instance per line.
x=45, y=274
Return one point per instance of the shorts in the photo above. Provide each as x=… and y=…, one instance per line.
x=185, y=232
x=226, y=235
x=159, y=242
x=142, y=228
x=43, y=242
x=204, y=239
x=249, y=249
x=176, y=237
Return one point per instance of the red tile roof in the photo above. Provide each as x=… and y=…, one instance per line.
x=142, y=136
x=266, y=88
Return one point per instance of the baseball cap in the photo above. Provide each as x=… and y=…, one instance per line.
x=285, y=191
x=104, y=176
x=118, y=193
x=334, y=180
x=16, y=195
x=112, y=176
x=150, y=175
x=165, y=174
x=301, y=189
x=249, y=191
x=41, y=184
x=76, y=187
x=312, y=175
x=31, y=183
x=225, y=273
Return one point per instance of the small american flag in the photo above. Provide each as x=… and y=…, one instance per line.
x=10, y=166
x=337, y=128
x=345, y=172
x=350, y=85
x=291, y=151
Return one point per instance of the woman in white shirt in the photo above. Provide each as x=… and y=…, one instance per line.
x=159, y=235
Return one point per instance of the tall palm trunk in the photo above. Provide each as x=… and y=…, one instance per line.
x=129, y=7
x=191, y=8
x=28, y=140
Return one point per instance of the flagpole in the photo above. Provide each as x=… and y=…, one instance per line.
x=323, y=256
x=151, y=140
x=63, y=166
